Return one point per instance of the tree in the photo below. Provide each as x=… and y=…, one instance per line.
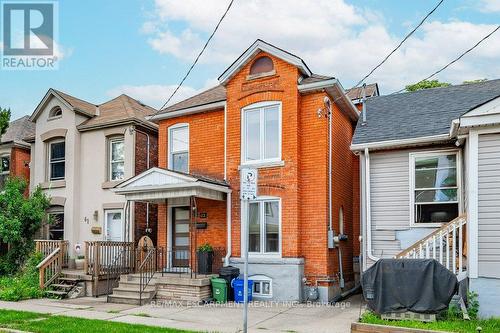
x=426, y=84
x=4, y=120
x=20, y=218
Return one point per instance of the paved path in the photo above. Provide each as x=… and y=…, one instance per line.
x=264, y=317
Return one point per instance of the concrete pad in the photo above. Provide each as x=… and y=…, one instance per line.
x=58, y=303
x=32, y=307
x=157, y=311
x=90, y=314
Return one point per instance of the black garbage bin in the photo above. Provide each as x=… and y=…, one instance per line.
x=229, y=273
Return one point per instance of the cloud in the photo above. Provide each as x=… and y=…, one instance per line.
x=490, y=6
x=156, y=95
x=333, y=37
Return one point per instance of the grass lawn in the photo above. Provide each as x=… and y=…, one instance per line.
x=451, y=325
x=41, y=323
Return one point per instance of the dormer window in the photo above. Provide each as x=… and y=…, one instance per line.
x=55, y=112
x=262, y=66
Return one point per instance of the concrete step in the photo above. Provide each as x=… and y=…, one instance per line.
x=56, y=292
x=129, y=278
x=135, y=286
x=133, y=293
x=122, y=299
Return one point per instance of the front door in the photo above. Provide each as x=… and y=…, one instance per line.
x=114, y=225
x=180, y=239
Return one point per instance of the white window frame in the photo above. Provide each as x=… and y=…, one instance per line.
x=5, y=173
x=412, y=159
x=262, y=212
x=52, y=114
x=113, y=211
x=49, y=176
x=170, y=142
x=261, y=106
x=260, y=279
x=110, y=157
x=56, y=211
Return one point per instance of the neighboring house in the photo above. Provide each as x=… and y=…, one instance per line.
x=269, y=112
x=428, y=157
x=80, y=151
x=14, y=151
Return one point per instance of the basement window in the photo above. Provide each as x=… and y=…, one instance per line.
x=435, y=187
x=262, y=286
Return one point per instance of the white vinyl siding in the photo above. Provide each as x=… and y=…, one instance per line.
x=489, y=205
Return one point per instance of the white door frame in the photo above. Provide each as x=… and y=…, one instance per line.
x=111, y=211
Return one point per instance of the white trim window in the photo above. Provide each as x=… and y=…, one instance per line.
x=261, y=133
x=435, y=187
x=178, y=148
x=57, y=160
x=113, y=219
x=262, y=286
x=56, y=226
x=4, y=169
x=116, y=159
x=264, y=226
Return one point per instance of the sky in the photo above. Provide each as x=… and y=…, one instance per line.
x=143, y=48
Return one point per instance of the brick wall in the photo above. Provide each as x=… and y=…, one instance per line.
x=19, y=162
x=141, y=224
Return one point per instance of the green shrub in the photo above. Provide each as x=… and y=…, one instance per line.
x=25, y=284
x=472, y=304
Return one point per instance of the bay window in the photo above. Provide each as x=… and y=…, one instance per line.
x=178, y=159
x=57, y=160
x=264, y=226
x=261, y=133
x=435, y=187
x=116, y=159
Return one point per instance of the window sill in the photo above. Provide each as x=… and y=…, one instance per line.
x=111, y=183
x=261, y=165
x=53, y=184
x=54, y=118
x=261, y=75
x=427, y=225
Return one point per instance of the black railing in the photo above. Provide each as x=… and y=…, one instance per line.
x=118, y=262
x=147, y=270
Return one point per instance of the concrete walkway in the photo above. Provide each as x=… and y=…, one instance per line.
x=263, y=317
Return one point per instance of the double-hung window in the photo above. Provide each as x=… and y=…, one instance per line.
x=179, y=148
x=264, y=226
x=4, y=169
x=56, y=227
x=57, y=160
x=261, y=132
x=116, y=159
x=435, y=187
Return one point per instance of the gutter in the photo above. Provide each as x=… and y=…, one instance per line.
x=400, y=142
x=187, y=111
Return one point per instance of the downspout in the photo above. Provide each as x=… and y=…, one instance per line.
x=225, y=141
x=368, y=208
x=228, y=217
x=148, y=148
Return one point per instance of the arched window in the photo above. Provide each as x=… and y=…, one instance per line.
x=55, y=112
x=261, y=65
x=341, y=220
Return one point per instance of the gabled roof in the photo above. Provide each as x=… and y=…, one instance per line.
x=356, y=93
x=258, y=46
x=119, y=110
x=213, y=97
x=421, y=114
x=18, y=130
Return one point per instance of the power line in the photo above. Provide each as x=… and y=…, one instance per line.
x=454, y=60
x=400, y=43
x=199, y=55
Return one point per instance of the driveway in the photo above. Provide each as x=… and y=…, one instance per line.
x=262, y=317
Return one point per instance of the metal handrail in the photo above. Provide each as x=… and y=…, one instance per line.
x=147, y=271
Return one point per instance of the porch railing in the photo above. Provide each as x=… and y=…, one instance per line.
x=447, y=245
x=50, y=268
x=101, y=257
x=46, y=247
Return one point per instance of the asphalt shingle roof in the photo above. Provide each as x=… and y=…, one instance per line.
x=18, y=130
x=421, y=113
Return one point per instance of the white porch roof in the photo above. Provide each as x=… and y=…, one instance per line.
x=158, y=184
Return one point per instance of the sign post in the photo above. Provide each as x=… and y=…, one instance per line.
x=248, y=191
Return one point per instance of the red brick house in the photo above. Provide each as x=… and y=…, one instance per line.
x=272, y=113
x=14, y=151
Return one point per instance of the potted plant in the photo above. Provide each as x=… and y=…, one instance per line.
x=205, y=254
x=79, y=262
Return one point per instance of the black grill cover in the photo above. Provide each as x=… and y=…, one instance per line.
x=400, y=285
